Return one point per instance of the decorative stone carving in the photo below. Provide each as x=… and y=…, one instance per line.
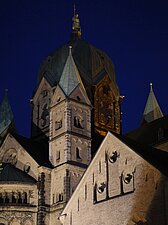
x=10, y=156
x=127, y=178
x=113, y=156
x=16, y=218
x=101, y=187
x=27, y=167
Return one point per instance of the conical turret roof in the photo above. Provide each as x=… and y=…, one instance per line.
x=70, y=77
x=152, y=109
x=6, y=114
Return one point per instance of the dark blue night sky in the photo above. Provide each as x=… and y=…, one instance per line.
x=134, y=34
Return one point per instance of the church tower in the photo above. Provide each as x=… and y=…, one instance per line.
x=70, y=119
x=70, y=134
x=76, y=103
x=97, y=75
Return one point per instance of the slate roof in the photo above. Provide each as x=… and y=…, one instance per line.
x=148, y=133
x=91, y=62
x=70, y=77
x=156, y=157
x=141, y=141
x=152, y=109
x=38, y=150
x=9, y=173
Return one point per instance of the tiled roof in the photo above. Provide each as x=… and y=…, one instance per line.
x=148, y=133
x=156, y=157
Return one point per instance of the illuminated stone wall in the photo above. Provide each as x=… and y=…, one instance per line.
x=106, y=107
x=119, y=187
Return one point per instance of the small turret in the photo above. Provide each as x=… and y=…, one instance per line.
x=152, y=109
x=6, y=116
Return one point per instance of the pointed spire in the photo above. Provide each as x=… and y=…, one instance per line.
x=76, y=29
x=70, y=77
x=6, y=115
x=152, y=109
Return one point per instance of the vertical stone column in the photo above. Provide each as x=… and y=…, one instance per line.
x=67, y=148
x=41, y=200
x=67, y=185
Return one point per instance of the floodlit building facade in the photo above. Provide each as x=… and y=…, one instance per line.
x=77, y=167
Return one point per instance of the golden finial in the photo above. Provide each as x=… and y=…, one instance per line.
x=76, y=29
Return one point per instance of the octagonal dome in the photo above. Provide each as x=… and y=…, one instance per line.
x=91, y=62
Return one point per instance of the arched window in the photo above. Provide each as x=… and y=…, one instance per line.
x=25, y=198
x=59, y=197
x=78, y=153
x=19, y=198
x=58, y=124
x=58, y=155
x=13, y=198
x=78, y=122
x=6, y=198
x=1, y=199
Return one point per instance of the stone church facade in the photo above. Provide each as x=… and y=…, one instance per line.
x=77, y=167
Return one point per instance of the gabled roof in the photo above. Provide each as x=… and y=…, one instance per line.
x=9, y=173
x=6, y=115
x=38, y=150
x=70, y=77
x=156, y=157
x=148, y=134
x=152, y=109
